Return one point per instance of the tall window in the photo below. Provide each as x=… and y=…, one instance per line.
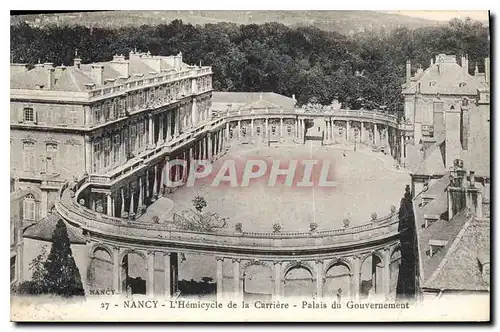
x=96, y=157
x=107, y=151
x=28, y=114
x=141, y=134
x=50, y=159
x=97, y=114
x=133, y=136
x=29, y=208
x=29, y=156
x=116, y=149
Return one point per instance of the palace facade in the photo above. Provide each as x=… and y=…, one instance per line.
x=94, y=142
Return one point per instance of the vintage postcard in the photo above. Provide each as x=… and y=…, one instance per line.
x=256, y=166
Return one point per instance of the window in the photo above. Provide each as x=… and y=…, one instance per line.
x=28, y=114
x=96, y=157
x=96, y=114
x=289, y=130
x=12, y=268
x=29, y=208
x=273, y=130
x=107, y=151
x=462, y=84
x=29, y=156
x=140, y=130
x=72, y=118
x=244, y=131
x=133, y=136
x=50, y=159
x=258, y=130
x=116, y=149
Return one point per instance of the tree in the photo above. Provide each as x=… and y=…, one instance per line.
x=62, y=276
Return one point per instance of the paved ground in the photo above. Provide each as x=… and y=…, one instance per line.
x=364, y=186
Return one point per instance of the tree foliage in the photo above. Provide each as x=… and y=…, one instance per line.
x=305, y=61
x=55, y=273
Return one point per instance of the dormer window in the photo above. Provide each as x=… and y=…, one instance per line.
x=432, y=83
x=462, y=84
x=435, y=246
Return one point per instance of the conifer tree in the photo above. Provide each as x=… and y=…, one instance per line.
x=62, y=276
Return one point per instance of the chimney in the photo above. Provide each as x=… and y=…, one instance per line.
x=97, y=74
x=408, y=71
x=476, y=70
x=120, y=65
x=50, y=74
x=487, y=69
x=465, y=63
x=464, y=125
x=77, y=62
x=18, y=68
x=463, y=195
x=178, y=61
x=438, y=117
x=452, y=136
x=153, y=62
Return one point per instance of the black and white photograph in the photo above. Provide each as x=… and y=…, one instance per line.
x=250, y=166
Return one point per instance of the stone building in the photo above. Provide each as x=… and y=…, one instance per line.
x=428, y=93
x=453, y=235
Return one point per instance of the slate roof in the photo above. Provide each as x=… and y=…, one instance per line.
x=43, y=229
x=247, y=98
x=459, y=269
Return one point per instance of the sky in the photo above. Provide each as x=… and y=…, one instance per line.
x=443, y=15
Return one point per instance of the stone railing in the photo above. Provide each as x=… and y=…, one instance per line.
x=336, y=114
x=375, y=230
x=142, y=83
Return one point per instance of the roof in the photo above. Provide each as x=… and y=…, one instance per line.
x=248, y=98
x=445, y=76
x=434, y=161
x=459, y=269
x=43, y=229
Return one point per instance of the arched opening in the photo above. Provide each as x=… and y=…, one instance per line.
x=257, y=282
x=394, y=271
x=100, y=272
x=337, y=281
x=299, y=282
x=133, y=273
x=371, y=276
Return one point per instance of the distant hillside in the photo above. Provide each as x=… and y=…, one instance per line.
x=345, y=22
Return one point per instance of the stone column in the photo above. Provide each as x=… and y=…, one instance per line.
x=267, y=128
x=116, y=269
x=362, y=132
x=160, y=129
x=386, y=272
x=166, y=274
x=348, y=130
x=332, y=133
x=327, y=129
x=355, y=277
x=239, y=129
x=220, y=280
x=150, y=285
x=297, y=128
x=155, y=185
x=319, y=279
x=109, y=205
x=176, y=122
x=141, y=193
x=209, y=137
x=131, y=211
x=122, y=212
x=162, y=177
x=402, y=150
x=236, y=278
x=281, y=127
x=375, y=134
x=88, y=155
x=227, y=131
x=277, y=280
x=251, y=128
x=151, y=130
